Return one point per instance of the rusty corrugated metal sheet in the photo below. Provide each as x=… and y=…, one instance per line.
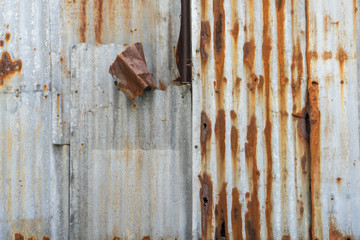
x=333, y=100
x=251, y=169
x=33, y=173
x=254, y=108
x=130, y=162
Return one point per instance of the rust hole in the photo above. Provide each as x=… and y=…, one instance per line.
x=7, y=36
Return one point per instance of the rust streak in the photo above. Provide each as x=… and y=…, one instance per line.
x=18, y=236
x=206, y=200
x=221, y=218
x=82, y=21
x=327, y=55
x=1, y=43
x=7, y=37
x=46, y=238
x=98, y=21
x=146, y=238
x=205, y=137
x=205, y=37
x=266, y=52
x=252, y=216
x=236, y=216
x=220, y=133
x=8, y=67
x=335, y=233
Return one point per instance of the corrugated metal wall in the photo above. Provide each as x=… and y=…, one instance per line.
x=263, y=145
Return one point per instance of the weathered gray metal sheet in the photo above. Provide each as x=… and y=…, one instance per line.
x=33, y=173
x=251, y=169
x=154, y=23
x=333, y=99
x=130, y=162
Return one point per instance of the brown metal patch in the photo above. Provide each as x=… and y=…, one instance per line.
x=8, y=67
x=83, y=21
x=252, y=216
x=206, y=201
x=205, y=37
x=7, y=37
x=221, y=218
x=98, y=21
x=18, y=236
x=335, y=233
x=236, y=216
x=131, y=72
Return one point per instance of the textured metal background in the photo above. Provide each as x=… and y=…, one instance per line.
x=251, y=169
x=230, y=157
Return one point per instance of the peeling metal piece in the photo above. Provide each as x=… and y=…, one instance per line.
x=131, y=72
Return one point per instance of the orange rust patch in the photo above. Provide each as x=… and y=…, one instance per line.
x=98, y=21
x=266, y=52
x=234, y=148
x=252, y=216
x=236, y=216
x=327, y=55
x=341, y=55
x=335, y=233
x=82, y=21
x=162, y=86
x=219, y=50
x=146, y=238
x=7, y=37
x=296, y=76
x=303, y=164
x=249, y=53
x=220, y=132
x=338, y=180
x=235, y=31
x=18, y=236
x=221, y=218
x=261, y=82
x=116, y=238
x=253, y=82
x=205, y=37
x=206, y=200
x=205, y=134
x=233, y=115
x=1, y=43
x=46, y=238
x=286, y=237
x=8, y=67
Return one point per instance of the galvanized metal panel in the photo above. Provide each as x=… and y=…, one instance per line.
x=333, y=99
x=130, y=162
x=34, y=174
x=251, y=171
x=154, y=23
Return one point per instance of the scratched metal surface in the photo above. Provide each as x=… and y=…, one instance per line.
x=33, y=173
x=251, y=166
x=251, y=169
x=130, y=162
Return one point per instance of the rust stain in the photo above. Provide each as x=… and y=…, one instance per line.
x=18, y=236
x=234, y=150
x=235, y=29
x=205, y=38
x=335, y=233
x=146, y=238
x=162, y=86
x=252, y=216
x=206, y=200
x=205, y=136
x=249, y=54
x=7, y=37
x=338, y=181
x=297, y=73
x=46, y=238
x=219, y=50
x=236, y=216
x=116, y=238
x=220, y=133
x=98, y=21
x=315, y=151
x=327, y=55
x=253, y=82
x=221, y=218
x=234, y=34
x=303, y=164
x=82, y=21
x=8, y=67
x=266, y=52
x=286, y=237
x=58, y=104
x=1, y=43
